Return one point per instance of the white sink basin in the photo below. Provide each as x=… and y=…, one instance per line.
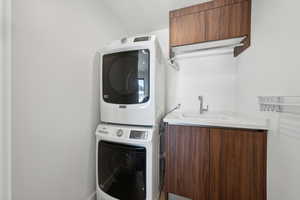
x=221, y=119
x=206, y=116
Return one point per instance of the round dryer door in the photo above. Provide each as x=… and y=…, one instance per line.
x=126, y=77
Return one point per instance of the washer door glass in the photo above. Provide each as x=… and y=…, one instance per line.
x=126, y=77
x=122, y=170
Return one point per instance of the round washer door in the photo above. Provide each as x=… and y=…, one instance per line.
x=122, y=170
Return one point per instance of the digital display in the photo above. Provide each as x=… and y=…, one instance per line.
x=141, y=39
x=138, y=135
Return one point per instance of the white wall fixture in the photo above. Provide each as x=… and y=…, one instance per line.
x=286, y=104
x=172, y=63
x=289, y=109
x=228, y=44
x=5, y=100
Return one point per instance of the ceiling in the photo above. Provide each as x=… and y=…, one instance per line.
x=141, y=16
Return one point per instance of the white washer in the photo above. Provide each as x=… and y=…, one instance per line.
x=127, y=163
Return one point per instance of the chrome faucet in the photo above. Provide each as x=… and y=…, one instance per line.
x=202, y=109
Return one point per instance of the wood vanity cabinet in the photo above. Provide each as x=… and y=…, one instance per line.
x=216, y=163
x=214, y=20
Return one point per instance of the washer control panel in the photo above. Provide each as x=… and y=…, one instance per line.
x=125, y=132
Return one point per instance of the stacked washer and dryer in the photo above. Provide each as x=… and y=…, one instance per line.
x=132, y=103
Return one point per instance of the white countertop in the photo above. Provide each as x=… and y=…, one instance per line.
x=228, y=120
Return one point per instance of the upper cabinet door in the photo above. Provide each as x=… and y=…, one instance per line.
x=188, y=29
x=237, y=164
x=234, y=20
x=227, y=22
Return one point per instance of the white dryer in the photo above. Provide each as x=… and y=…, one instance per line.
x=132, y=87
x=127, y=163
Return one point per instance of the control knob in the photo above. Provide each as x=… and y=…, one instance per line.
x=120, y=133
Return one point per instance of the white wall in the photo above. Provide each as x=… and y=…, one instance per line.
x=1, y=102
x=5, y=164
x=272, y=67
x=55, y=91
x=213, y=77
x=140, y=16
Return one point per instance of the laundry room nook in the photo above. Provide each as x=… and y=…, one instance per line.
x=149, y=100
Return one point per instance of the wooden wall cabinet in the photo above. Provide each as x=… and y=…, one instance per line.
x=216, y=163
x=211, y=21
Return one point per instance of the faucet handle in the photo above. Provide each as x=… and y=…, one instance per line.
x=206, y=109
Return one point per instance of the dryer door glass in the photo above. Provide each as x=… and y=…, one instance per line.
x=126, y=76
x=122, y=170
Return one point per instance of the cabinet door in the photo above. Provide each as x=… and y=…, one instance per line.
x=227, y=22
x=235, y=20
x=213, y=24
x=188, y=29
x=237, y=164
x=187, y=162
